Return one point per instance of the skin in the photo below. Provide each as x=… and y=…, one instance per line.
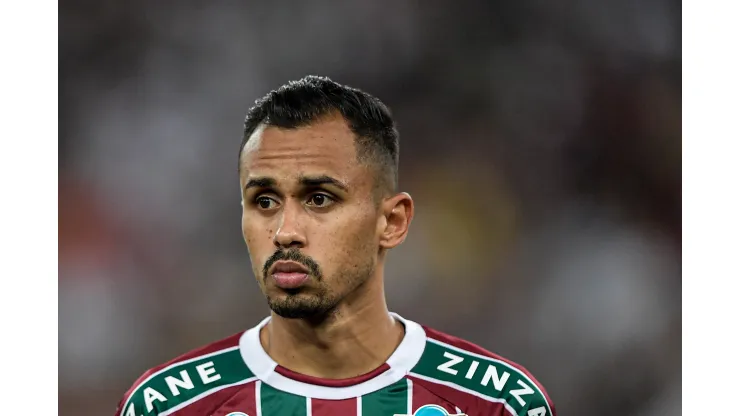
x=337, y=325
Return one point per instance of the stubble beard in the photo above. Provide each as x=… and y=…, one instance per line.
x=324, y=297
x=321, y=303
x=302, y=306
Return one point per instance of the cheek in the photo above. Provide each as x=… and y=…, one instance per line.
x=258, y=239
x=257, y=235
x=247, y=230
x=350, y=241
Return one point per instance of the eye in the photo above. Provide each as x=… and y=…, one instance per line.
x=320, y=200
x=264, y=202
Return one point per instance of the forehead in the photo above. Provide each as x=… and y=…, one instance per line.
x=324, y=147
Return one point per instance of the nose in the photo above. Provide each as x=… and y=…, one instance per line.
x=290, y=232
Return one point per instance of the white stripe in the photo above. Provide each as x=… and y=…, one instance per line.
x=457, y=410
x=258, y=397
x=171, y=366
x=359, y=405
x=483, y=357
x=204, y=394
x=464, y=390
x=410, y=392
x=308, y=406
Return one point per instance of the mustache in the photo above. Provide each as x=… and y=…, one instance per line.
x=292, y=255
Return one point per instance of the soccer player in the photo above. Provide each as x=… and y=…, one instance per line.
x=318, y=173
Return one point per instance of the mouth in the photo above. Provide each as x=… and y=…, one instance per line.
x=288, y=274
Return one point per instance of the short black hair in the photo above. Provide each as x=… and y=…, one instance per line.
x=299, y=103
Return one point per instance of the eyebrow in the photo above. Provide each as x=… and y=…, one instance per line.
x=260, y=183
x=306, y=181
x=313, y=181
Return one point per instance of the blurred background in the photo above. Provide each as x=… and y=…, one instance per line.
x=541, y=141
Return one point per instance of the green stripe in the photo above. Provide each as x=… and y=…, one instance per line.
x=215, y=371
x=388, y=401
x=279, y=403
x=516, y=385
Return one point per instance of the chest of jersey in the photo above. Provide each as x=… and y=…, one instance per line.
x=260, y=399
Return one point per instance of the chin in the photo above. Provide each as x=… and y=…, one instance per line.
x=299, y=306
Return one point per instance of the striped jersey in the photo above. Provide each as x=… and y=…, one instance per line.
x=429, y=374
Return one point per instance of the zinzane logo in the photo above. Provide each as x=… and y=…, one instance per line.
x=175, y=387
x=491, y=377
x=432, y=410
x=237, y=414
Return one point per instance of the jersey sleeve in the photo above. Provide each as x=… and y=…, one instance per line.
x=479, y=381
x=185, y=379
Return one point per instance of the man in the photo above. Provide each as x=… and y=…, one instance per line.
x=318, y=172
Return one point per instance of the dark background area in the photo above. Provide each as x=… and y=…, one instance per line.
x=540, y=140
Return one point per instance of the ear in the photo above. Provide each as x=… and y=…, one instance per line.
x=398, y=211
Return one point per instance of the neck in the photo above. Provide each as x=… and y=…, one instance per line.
x=356, y=339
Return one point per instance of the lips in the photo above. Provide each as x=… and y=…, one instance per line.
x=288, y=274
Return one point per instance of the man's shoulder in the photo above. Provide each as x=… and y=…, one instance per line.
x=452, y=343
x=461, y=370
x=186, y=378
x=223, y=346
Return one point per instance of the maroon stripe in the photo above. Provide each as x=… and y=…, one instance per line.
x=232, y=399
x=320, y=407
x=345, y=382
x=468, y=403
x=422, y=396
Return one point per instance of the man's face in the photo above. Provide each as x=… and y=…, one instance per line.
x=309, y=217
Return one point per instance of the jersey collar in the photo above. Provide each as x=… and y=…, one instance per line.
x=403, y=359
